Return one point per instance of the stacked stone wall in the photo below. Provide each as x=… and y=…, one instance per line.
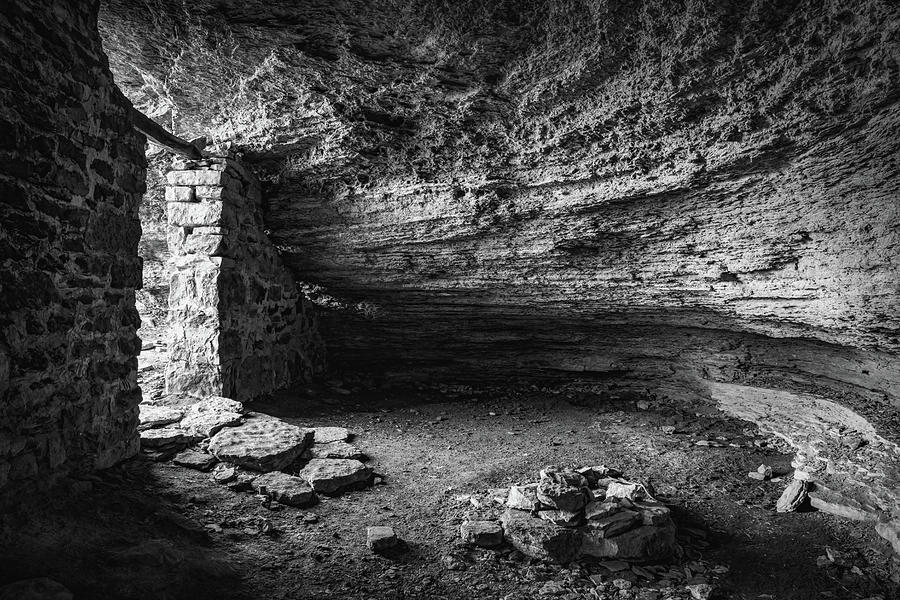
x=239, y=327
x=71, y=176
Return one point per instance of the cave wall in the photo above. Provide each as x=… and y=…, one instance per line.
x=238, y=326
x=71, y=177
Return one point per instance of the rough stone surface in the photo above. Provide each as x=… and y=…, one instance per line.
x=380, y=538
x=832, y=502
x=261, y=443
x=332, y=476
x=540, y=539
x=565, y=490
x=792, y=496
x=286, y=489
x=890, y=531
x=194, y=459
x=523, y=497
x=486, y=534
x=336, y=450
x=152, y=415
x=71, y=177
x=208, y=416
x=167, y=436
x=326, y=435
x=643, y=543
x=239, y=326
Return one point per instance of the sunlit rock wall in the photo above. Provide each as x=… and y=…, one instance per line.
x=238, y=326
x=71, y=176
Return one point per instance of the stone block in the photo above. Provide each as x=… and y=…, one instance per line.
x=178, y=193
x=195, y=177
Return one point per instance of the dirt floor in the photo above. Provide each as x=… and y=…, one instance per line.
x=150, y=529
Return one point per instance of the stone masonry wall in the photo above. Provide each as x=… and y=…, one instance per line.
x=239, y=327
x=71, y=176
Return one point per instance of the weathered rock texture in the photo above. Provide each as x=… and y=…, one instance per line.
x=71, y=176
x=238, y=325
x=660, y=198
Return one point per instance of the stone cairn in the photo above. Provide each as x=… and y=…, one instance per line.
x=287, y=463
x=573, y=514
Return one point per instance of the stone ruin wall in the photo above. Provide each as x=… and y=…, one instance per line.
x=71, y=177
x=239, y=327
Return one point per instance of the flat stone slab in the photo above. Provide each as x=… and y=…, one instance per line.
x=643, y=543
x=152, y=415
x=485, y=534
x=285, y=489
x=261, y=443
x=209, y=416
x=336, y=450
x=194, y=459
x=166, y=436
x=334, y=475
x=326, y=435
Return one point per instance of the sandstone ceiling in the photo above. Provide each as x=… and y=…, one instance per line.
x=560, y=185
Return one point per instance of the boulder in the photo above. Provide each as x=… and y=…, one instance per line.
x=540, y=539
x=564, y=490
x=336, y=450
x=261, y=443
x=381, y=538
x=523, y=497
x=643, y=543
x=285, y=489
x=653, y=513
x=486, y=534
x=890, y=530
x=334, y=475
x=206, y=417
x=152, y=415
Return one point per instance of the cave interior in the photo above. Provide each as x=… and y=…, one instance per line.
x=475, y=299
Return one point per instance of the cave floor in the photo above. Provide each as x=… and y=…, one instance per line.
x=154, y=530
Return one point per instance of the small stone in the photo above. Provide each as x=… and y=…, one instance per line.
x=793, y=496
x=194, y=459
x=552, y=588
x=453, y=563
x=563, y=490
x=562, y=518
x=701, y=591
x=152, y=416
x=262, y=443
x=336, y=450
x=380, y=538
x=523, y=497
x=39, y=588
x=485, y=534
x=207, y=417
x=309, y=518
x=327, y=435
x=622, y=584
x=166, y=436
x=285, y=489
x=802, y=475
x=224, y=474
x=630, y=491
x=332, y=476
